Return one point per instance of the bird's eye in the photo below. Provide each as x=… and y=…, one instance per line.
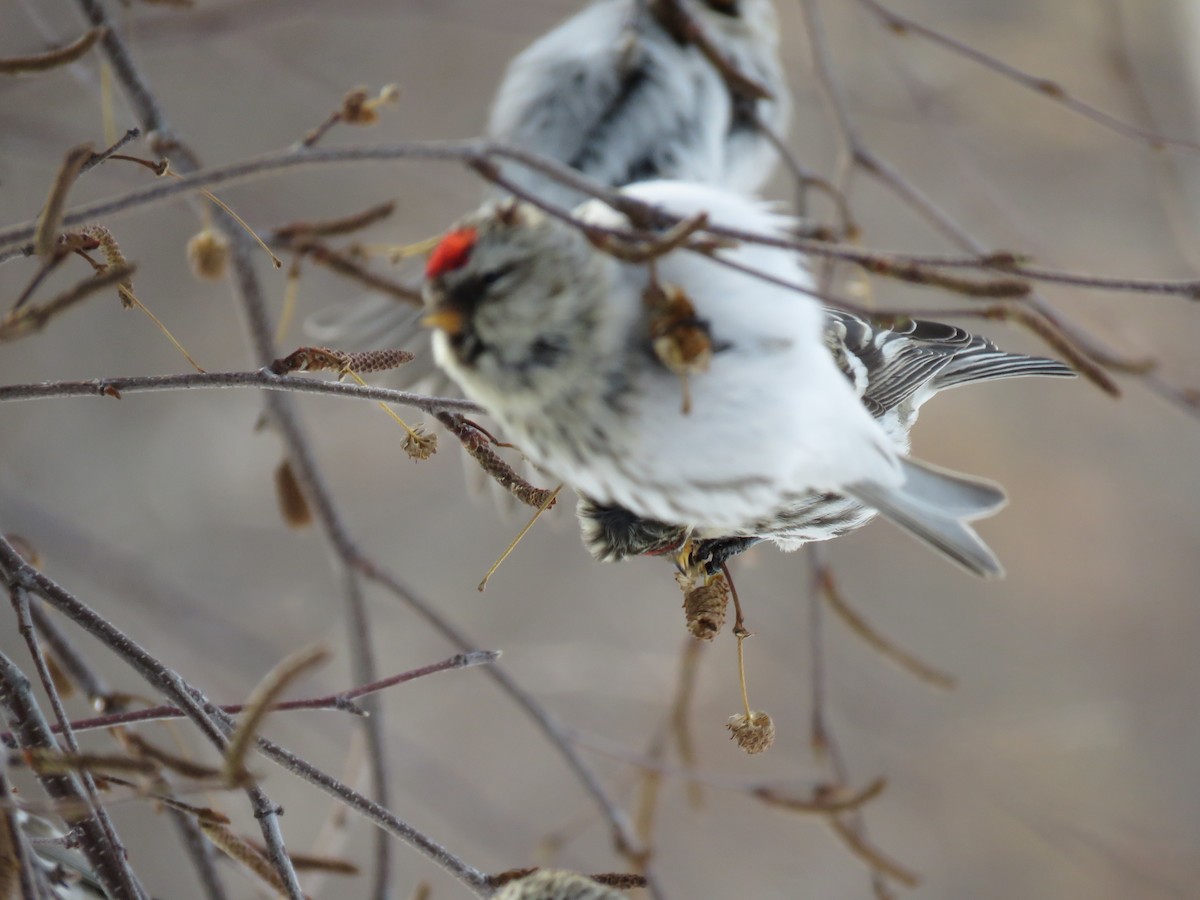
x=491, y=276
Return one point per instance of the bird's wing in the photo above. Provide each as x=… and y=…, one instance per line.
x=891, y=365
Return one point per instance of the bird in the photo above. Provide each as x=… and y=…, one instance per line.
x=775, y=432
x=617, y=95
x=611, y=93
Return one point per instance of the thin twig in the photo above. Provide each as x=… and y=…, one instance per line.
x=17, y=869
x=384, y=818
x=823, y=802
x=829, y=589
x=99, y=694
x=52, y=59
x=261, y=703
x=25, y=627
x=95, y=159
x=45, y=240
x=26, y=720
x=334, y=227
x=1047, y=88
x=263, y=378
x=347, y=267
x=84, y=677
x=17, y=573
x=343, y=701
x=282, y=414
x=624, y=835
x=478, y=155
x=30, y=319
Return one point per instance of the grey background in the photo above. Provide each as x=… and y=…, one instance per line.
x=1066, y=762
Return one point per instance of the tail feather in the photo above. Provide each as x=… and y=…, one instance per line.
x=934, y=505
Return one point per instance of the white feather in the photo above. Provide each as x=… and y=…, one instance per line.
x=775, y=416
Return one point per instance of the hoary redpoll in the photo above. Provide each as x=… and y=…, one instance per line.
x=555, y=338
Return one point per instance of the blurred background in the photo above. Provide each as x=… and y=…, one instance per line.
x=1066, y=762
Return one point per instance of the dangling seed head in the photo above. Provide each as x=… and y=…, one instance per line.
x=208, y=254
x=293, y=505
x=755, y=733
x=419, y=445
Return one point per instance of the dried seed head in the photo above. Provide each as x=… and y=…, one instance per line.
x=115, y=258
x=755, y=733
x=550, y=884
x=356, y=108
x=208, y=254
x=312, y=359
x=681, y=339
x=292, y=503
x=419, y=445
x=389, y=93
x=377, y=360
x=704, y=607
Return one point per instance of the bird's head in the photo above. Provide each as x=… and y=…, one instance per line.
x=513, y=295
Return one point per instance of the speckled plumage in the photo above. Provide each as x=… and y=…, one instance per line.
x=775, y=423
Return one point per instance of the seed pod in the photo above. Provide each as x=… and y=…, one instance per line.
x=419, y=445
x=704, y=607
x=208, y=254
x=755, y=733
x=293, y=505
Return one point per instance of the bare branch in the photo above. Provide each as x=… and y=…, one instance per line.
x=263, y=378
x=343, y=701
x=902, y=25
x=53, y=59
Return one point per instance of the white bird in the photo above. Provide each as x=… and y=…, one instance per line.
x=555, y=338
x=612, y=93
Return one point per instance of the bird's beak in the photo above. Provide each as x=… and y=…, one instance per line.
x=445, y=317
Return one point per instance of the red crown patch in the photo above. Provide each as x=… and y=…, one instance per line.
x=452, y=252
